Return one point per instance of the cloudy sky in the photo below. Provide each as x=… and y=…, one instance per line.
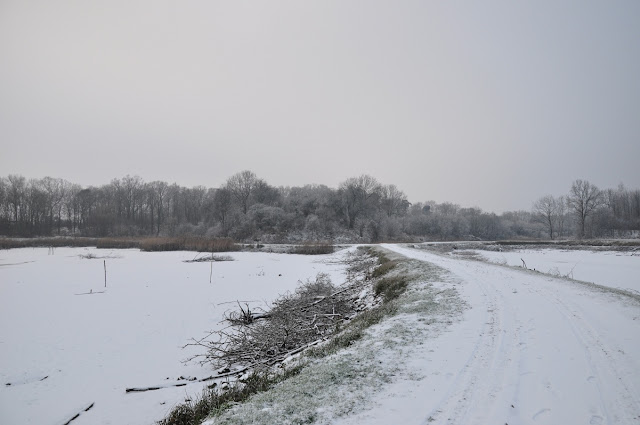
x=490, y=104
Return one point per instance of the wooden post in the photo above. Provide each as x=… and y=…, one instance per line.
x=211, y=271
x=105, y=273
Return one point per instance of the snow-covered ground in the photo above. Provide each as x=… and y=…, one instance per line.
x=617, y=269
x=60, y=351
x=472, y=343
x=475, y=343
x=532, y=349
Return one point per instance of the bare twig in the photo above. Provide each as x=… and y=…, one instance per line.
x=85, y=409
x=256, y=338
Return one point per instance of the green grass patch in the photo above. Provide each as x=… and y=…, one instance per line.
x=390, y=288
x=385, y=264
x=384, y=268
x=215, y=401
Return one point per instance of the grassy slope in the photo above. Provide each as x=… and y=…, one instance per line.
x=339, y=378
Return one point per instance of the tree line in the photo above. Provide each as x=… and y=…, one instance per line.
x=247, y=208
x=587, y=211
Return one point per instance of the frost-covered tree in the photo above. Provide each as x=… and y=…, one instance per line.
x=157, y=195
x=15, y=194
x=222, y=206
x=549, y=211
x=242, y=185
x=393, y=200
x=583, y=199
x=360, y=198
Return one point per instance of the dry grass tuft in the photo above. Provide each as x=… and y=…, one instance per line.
x=189, y=244
x=314, y=248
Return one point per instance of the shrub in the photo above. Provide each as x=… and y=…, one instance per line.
x=384, y=268
x=390, y=288
x=200, y=244
x=189, y=244
x=117, y=243
x=317, y=248
x=8, y=243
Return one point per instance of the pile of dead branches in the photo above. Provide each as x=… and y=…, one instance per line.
x=295, y=321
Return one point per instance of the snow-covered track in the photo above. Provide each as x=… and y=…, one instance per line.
x=533, y=350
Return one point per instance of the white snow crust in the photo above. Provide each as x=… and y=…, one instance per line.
x=472, y=342
x=616, y=269
x=91, y=347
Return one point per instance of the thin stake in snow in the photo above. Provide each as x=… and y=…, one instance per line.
x=105, y=273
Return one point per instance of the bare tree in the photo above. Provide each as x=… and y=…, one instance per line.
x=222, y=203
x=561, y=212
x=263, y=193
x=158, y=194
x=72, y=205
x=3, y=198
x=546, y=210
x=360, y=196
x=241, y=186
x=132, y=187
x=447, y=208
x=55, y=190
x=394, y=201
x=36, y=206
x=583, y=199
x=15, y=195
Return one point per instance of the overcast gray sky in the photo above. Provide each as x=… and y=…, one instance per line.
x=491, y=104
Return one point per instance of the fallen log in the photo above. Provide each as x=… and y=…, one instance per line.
x=159, y=387
x=182, y=384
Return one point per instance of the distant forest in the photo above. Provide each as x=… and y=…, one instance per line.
x=247, y=208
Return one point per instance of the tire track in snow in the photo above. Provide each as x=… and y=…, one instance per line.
x=535, y=360
x=483, y=375
x=456, y=403
x=487, y=371
x=606, y=376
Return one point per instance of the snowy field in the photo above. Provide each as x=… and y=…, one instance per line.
x=472, y=342
x=609, y=268
x=65, y=344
